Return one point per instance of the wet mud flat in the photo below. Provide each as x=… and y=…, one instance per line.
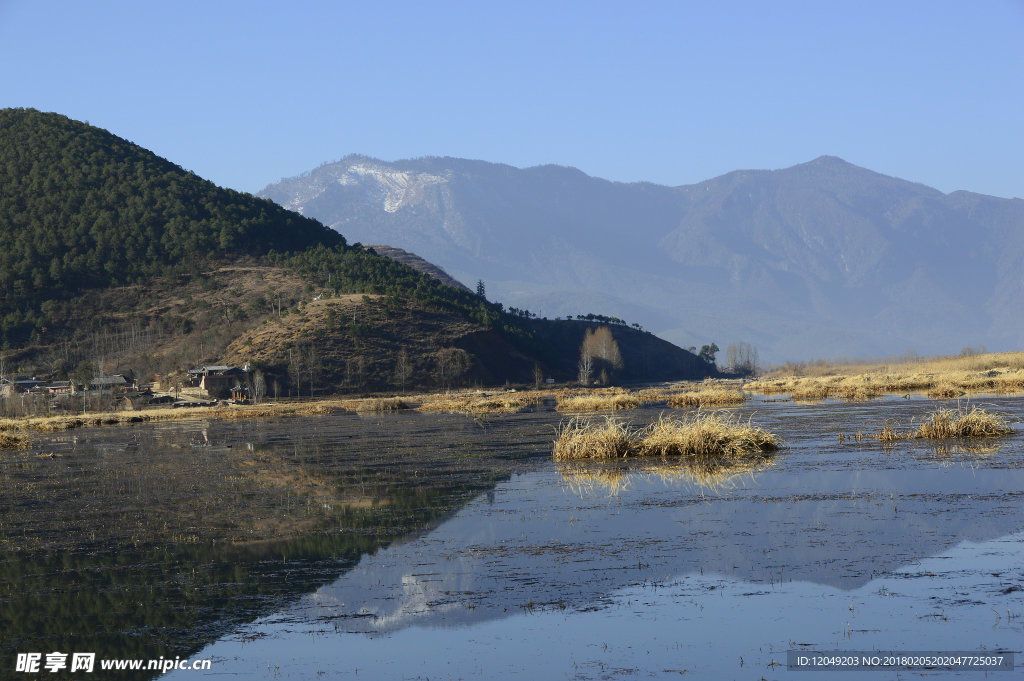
x=432, y=546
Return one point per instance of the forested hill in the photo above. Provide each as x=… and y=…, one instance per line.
x=121, y=260
x=83, y=208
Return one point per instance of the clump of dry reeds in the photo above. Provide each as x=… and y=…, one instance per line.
x=858, y=393
x=711, y=435
x=963, y=423
x=598, y=402
x=505, y=403
x=581, y=438
x=944, y=391
x=705, y=435
x=948, y=424
x=811, y=393
x=889, y=433
x=718, y=397
x=14, y=441
x=382, y=404
x=649, y=395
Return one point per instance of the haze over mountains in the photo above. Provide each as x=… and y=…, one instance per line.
x=823, y=259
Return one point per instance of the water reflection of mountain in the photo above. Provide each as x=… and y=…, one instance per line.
x=536, y=543
x=115, y=539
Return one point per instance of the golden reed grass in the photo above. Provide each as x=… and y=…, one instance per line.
x=963, y=423
x=51, y=424
x=477, y=404
x=705, y=435
x=717, y=397
x=14, y=441
x=940, y=378
x=582, y=438
x=381, y=404
x=948, y=424
x=711, y=435
x=610, y=402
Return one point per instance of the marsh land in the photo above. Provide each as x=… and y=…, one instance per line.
x=411, y=544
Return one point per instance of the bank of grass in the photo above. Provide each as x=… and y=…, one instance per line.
x=810, y=393
x=704, y=435
x=939, y=378
x=707, y=397
x=473, y=404
x=63, y=422
x=478, y=404
x=598, y=402
x=382, y=404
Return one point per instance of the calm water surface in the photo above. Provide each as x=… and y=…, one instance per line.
x=452, y=547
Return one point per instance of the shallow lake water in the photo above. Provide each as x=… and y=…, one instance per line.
x=410, y=546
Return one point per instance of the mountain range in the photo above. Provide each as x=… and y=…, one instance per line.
x=823, y=259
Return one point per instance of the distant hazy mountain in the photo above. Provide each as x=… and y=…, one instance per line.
x=823, y=259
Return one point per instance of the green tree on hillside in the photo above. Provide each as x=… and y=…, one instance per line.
x=707, y=353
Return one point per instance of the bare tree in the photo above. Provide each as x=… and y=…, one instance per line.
x=259, y=387
x=538, y=375
x=403, y=369
x=586, y=365
x=355, y=372
x=741, y=358
x=450, y=364
x=599, y=350
x=313, y=366
x=294, y=371
x=606, y=347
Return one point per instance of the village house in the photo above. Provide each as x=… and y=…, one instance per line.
x=115, y=383
x=59, y=388
x=218, y=380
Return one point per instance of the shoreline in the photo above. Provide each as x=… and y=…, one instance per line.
x=15, y=431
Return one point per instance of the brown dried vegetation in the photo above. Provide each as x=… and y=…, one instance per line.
x=711, y=435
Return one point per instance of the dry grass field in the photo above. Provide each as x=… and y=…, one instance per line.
x=940, y=378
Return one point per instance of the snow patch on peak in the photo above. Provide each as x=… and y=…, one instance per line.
x=394, y=188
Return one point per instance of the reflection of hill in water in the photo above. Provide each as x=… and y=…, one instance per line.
x=537, y=543
x=94, y=559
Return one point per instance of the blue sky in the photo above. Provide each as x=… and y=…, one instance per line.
x=246, y=93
